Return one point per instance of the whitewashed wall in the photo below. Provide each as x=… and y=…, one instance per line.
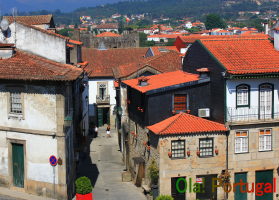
x=254, y=90
x=93, y=91
x=36, y=116
x=38, y=150
x=37, y=42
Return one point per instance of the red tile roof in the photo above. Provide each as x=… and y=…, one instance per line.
x=192, y=38
x=101, y=62
x=245, y=56
x=25, y=66
x=75, y=42
x=157, y=50
x=31, y=20
x=107, y=26
x=183, y=123
x=164, y=62
x=164, y=36
x=108, y=34
x=162, y=80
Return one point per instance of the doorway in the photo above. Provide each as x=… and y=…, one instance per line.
x=174, y=190
x=238, y=195
x=18, y=165
x=263, y=177
x=103, y=116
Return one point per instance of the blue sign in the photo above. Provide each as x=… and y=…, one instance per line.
x=53, y=160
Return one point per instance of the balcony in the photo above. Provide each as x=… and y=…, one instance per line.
x=103, y=99
x=246, y=115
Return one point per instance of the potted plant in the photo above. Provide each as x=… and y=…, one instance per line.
x=154, y=177
x=170, y=154
x=83, y=189
x=164, y=197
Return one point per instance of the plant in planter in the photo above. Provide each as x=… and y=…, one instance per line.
x=164, y=197
x=154, y=177
x=83, y=189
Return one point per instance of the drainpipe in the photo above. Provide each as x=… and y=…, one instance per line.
x=227, y=156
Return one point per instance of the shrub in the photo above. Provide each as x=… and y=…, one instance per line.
x=164, y=197
x=154, y=172
x=83, y=185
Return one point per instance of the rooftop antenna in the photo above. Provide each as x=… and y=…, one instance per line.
x=14, y=13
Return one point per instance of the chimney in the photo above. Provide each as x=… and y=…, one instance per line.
x=276, y=38
x=266, y=28
x=143, y=81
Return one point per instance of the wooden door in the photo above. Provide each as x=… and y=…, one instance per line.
x=100, y=117
x=238, y=195
x=18, y=165
x=264, y=177
x=174, y=192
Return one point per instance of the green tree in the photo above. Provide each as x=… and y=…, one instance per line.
x=214, y=21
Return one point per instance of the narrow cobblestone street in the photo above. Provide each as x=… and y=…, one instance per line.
x=105, y=168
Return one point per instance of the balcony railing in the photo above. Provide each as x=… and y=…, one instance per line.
x=103, y=99
x=252, y=114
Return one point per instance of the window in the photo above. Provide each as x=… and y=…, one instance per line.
x=180, y=102
x=15, y=103
x=241, y=142
x=265, y=140
x=102, y=90
x=206, y=147
x=242, y=95
x=178, y=149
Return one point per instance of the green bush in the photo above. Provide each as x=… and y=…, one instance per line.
x=83, y=185
x=153, y=172
x=164, y=197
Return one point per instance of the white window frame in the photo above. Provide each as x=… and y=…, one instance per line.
x=178, y=149
x=265, y=141
x=241, y=140
x=242, y=95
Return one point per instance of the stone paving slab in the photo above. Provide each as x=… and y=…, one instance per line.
x=106, y=157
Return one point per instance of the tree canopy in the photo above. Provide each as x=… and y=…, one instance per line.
x=214, y=21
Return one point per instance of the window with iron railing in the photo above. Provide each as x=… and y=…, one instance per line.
x=15, y=103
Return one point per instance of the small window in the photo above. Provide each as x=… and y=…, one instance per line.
x=265, y=140
x=180, y=102
x=178, y=149
x=206, y=147
x=102, y=90
x=242, y=95
x=241, y=142
x=15, y=103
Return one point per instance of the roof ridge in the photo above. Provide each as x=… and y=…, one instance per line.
x=177, y=117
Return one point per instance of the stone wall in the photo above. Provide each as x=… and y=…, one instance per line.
x=125, y=41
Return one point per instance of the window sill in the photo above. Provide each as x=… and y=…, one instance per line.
x=178, y=158
x=206, y=156
x=265, y=150
x=15, y=116
x=241, y=152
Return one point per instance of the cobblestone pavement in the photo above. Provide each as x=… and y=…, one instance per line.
x=104, y=166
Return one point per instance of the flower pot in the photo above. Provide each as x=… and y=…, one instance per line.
x=155, y=191
x=84, y=196
x=216, y=151
x=169, y=154
x=148, y=148
x=188, y=153
x=198, y=153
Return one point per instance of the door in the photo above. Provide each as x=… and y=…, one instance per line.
x=266, y=101
x=264, y=177
x=174, y=192
x=100, y=117
x=207, y=192
x=238, y=195
x=18, y=165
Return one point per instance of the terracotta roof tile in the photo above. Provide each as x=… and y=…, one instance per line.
x=164, y=62
x=183, y=123
x=164, y=36
x=75, y=42
x=107, y=26
x=31, y=20
x=108, y=34
x=245, y=56
x=192, y=38
x=157, y=50
x=162, y=80
x=25, y=66
x=101, y=62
